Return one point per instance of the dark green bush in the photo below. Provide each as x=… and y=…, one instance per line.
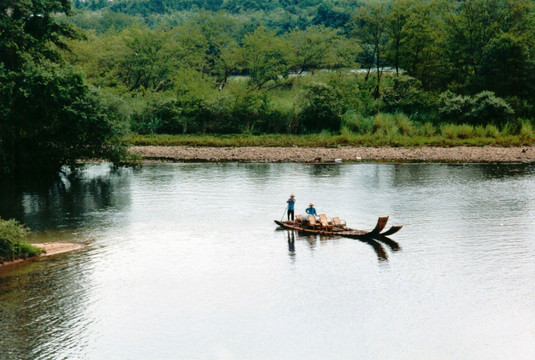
x=13, y=237
x=322, y=108
x=408, y=97
x=454, y=108
x=487, y=108
x=482, y=109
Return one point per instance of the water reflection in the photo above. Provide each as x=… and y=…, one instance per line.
x=69, y=202
x=311, y=240
x=394, y=246
x=291, y=243
x=182, y=262
x=43, y=309
x=325, y=169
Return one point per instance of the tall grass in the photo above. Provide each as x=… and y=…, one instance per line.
x=379, y=130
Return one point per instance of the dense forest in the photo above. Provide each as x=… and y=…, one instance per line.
x=75, y=76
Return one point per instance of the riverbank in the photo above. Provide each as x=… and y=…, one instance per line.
x=49, y=248
x=304, y=154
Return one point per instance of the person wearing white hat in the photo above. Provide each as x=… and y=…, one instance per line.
x=310, y=210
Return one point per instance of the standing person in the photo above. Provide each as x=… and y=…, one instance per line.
x=291, y=206
x=310, y=210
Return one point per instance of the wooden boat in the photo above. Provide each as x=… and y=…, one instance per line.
x=341, y=230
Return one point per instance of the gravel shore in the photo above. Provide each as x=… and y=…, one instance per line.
x=298, y=154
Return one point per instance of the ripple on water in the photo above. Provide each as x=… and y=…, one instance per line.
x=183, y=260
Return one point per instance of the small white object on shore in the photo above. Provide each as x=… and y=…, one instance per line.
x=359, y=158
x=338, y=160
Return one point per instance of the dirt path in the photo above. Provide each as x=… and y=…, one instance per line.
x=297, y=154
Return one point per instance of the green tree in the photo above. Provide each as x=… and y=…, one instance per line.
x=48, y=116
x=507, y=67
x=370, y=29
x=421, y=53
x=471, y=26
x=149, y=60
x=319, y=47
x=395, y=28
x=263, y=57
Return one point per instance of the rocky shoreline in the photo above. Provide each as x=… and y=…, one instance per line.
x=464, y=154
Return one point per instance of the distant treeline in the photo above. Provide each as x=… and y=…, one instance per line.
x=283, y=15
x=181, y=70
x=73, y=81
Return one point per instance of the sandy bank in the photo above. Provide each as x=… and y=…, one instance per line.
x=50, y=248
x=53, y=248
x=297, y=154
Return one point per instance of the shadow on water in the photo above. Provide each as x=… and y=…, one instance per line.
x=325, y=169
x=67, y=201
x=311, y=239
x=393, y=245
x=291, y=243
x=411, y=175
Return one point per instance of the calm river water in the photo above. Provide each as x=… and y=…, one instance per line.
x=183, y=261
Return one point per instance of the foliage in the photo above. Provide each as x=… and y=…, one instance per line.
x=54, y=119
x=48, y=116
x=252, y=67
x=263, y=57
x=318, y=47
x=322, y=108
x=483, y=108
x=407, y=96
x=369, y=27
x=357, y=123
x=425, y=135
x=13, y=237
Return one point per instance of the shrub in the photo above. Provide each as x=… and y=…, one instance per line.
x=454, y=108
x=408, y=97
x=451, y=131
x=159, y=115
x=13, y=237
x=488, y=108
x=526, y=131
x=484, y=108
x=404, y=124
x=491, y=131
x=357, y=123
x=427, y=129
x=322, y=108
x=385, y=126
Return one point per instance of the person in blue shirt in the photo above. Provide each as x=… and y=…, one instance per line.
x=310, y=210
x=291, y=206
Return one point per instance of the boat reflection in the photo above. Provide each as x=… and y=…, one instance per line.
x=377, y=247
x=291, y=242
x=393, y=245
x=311, y=239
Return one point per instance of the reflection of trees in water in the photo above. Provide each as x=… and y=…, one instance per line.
x=325, y=169
x=67, y=202
x=420, y=174
x=43, y=310
x=505, y=171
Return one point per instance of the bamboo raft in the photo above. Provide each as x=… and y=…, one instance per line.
x=323, y=226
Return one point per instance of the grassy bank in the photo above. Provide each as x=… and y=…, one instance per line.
x=13, y=242
x=396, y=136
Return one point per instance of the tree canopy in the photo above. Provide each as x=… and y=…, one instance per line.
x=49, y=117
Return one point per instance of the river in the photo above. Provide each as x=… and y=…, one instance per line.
x=183, y=261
